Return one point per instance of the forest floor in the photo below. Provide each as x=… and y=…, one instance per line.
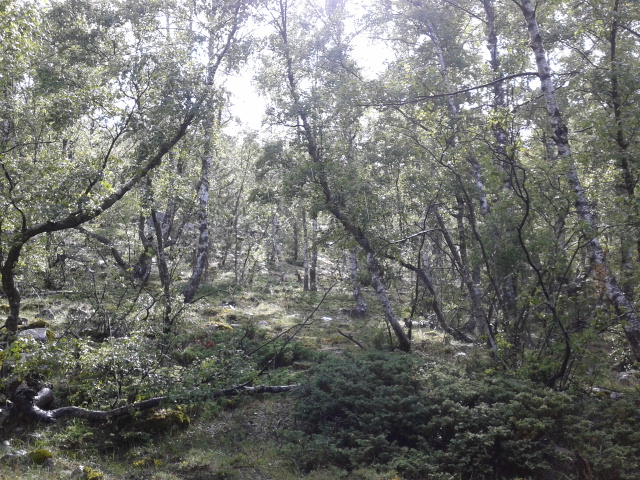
x=231, y=439
x=243, y=437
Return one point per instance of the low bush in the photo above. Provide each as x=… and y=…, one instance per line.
x=432, y=421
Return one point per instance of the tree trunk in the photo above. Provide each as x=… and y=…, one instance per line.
x=361, y=306
x=202, y=251
x=142, y=267
x=313, y=261
x=276, y=248
x=163, y=270
x=9, y=287
x=624, y=308
x=426, y=277
x=27, y=403
x=374, y=269
x=506, y=288
x=332, y=204
x=305, y=251
x=626, y=187
x=480, y=318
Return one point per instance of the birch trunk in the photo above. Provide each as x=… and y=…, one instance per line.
x=313, y=261
x=626, y=188
x=387, y=307
x=361, y=306
x=481, y=319
x=142, y=267
x=305, y=250
x=478, y=317
x=332, y=204
x=624, y=308
x=202, y=252
x=506, y=280
x=163, y=271
x=425, y=275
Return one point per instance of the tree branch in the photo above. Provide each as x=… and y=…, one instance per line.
x=26, y=401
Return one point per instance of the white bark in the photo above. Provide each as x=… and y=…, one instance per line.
x=624, y=308
x=361, y=305
x=202, y=252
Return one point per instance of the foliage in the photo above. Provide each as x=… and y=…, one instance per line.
x=434, y=421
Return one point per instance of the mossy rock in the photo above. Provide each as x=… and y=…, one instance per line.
x=165, y=420
x=184, y=357
x=43, y=335
x=88, y=473
x=40, y=456
x=39, y=323
x=220, y=326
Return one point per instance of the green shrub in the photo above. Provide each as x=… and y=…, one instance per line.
x=385, y=410
x=606, y=441
x=282, y=353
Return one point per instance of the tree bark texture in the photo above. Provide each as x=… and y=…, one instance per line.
x=361, y=306
x=313, y=260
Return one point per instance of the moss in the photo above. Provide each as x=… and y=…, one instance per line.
x=38, y=323
x=220, y=326
x=92, y=474
x=165, y=420
x=40, y=456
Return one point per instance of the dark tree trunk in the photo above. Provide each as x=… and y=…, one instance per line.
x=305, y=250
x=27, y=404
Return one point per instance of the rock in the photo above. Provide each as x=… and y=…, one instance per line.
x=603, y=393
x=87, y=473
x=35, y=324
x=630, y=377
x=165, y=420
x=13, y=458
x=42, y=335
x=45, y=313
x=78, y=313
x=219, y=326
x=41, y=456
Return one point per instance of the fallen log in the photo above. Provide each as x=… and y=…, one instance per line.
x=26, y=402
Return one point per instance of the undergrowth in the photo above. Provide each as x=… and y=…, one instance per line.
x=436, y=421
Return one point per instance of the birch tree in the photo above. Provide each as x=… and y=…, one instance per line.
x=319, y=124
x=604, y=274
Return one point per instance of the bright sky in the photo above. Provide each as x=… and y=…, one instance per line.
x=249, y=107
